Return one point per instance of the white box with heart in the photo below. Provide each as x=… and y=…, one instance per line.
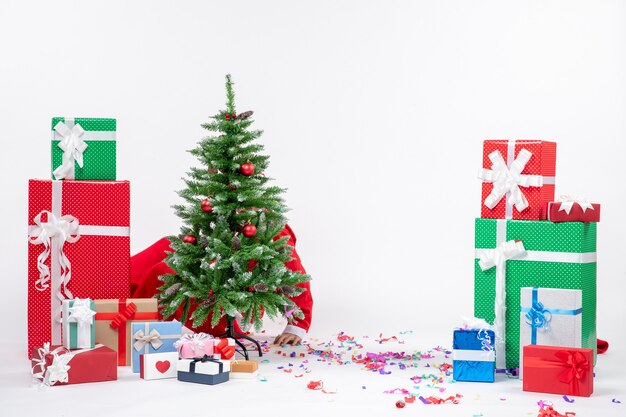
x=158, y=365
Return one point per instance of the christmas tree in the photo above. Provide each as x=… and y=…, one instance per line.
x=227, y=260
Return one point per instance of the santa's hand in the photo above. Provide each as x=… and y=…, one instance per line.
x=287, y=339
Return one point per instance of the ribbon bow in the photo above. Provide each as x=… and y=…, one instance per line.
x=80, y=312
x=57, y=371
x=153, y=338
x=576, y=366
x=123, y=316
x=538, y=316
x=509, y=180
x=73, y=147
x=568, y=201
x=65, y=229
x=197, y=339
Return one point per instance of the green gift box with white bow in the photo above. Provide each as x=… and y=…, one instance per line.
x=77, y=319
x=83, y=148
x=511, y=254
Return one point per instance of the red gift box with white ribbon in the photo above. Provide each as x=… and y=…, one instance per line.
x=518, y=178
x=572, y=209
x=558, y=370
x=80, y=247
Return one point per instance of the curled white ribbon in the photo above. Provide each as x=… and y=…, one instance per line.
x=57, y=371
x=568, y=201
x=82, y=314
x=497, y=258
x=197, y=339
x=474, y=323
x=73, y=147
x=65, y=229
x=509, y=180
x=153, y=338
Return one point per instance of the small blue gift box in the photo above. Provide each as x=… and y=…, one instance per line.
x=473, y=355
x=153, y=337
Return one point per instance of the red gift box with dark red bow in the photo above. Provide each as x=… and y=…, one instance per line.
x=80, y=247
x=558, y=370
x=518, y=178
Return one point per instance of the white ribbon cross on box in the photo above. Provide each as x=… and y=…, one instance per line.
x=73, y=147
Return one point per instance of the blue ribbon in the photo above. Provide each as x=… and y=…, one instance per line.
x=538, y=317
x=485, y=340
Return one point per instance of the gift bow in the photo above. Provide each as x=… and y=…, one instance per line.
x=153, y=338
x=568, y=201
x=538, y=317
x=65, y=229
x=197, y=339
x=123, y=316
x=509, y=180
x=81, y=312
x=73, y=147
x=226, y=350
x=576, y=366
x=58, y=369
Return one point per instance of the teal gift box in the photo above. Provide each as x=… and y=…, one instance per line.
x=83, y=148
x=77, y=320
x=511, y=254
x=153, y=337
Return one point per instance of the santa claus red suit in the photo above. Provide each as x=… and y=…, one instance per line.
x=148, y=265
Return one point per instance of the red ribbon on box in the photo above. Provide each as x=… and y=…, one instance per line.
x=222, y=347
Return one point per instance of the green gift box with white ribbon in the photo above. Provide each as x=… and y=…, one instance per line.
x=83, y=148
x=511, y=254
x=79, y=331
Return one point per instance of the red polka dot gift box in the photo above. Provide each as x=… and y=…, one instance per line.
x=79, y=233
x=518, y=179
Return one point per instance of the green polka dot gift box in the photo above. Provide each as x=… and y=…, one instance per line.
x=83, y=148
x=511, y=254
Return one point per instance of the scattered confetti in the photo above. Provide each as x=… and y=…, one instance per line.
x=318, y=386
x=400, y=404
x=548, y=411
x=382, y=340
x=616, y=401
x=567, y=399
x=409, y=400
x=265, y=361
x=263, y=379
x=454, y=399
x=407, y=332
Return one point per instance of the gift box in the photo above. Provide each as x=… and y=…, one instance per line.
x=223, y=348
x=512, y=254
x=558, y=370
x=518, y=178
x=572, y=210
x=244, y=369
x=158, y=365
x=113, y=320
x=473, y=355
x=80, y=247
x=58, y=366
x=208, y=371
x=194, y=345
x=83, y=148
x=153, y=337
x=79, y=331
x=550, y=316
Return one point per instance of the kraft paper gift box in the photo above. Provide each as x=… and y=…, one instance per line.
x=153, y=337
x=55, y=365
x=550, y=316
x=518, y=178
x=80, y=247
x=79, y=330
x=473, y=355
x=244, y=369
x=113, y=320
x=208, y=371
x=195, y=345
x=569, y=209
x=158, y=365
x=558, y=370
x=83, y=148
x=514, y=254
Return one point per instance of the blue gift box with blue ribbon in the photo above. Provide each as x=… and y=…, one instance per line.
x=153, y=337
x=473, y=355
x=550, y=317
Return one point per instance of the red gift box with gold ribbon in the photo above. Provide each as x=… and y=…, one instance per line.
x=518, y=178
x=79, y=234
x=113, y=319
x=558, y=370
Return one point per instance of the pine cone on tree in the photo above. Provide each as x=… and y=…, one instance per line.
x=209, y=302
x=260, y=287
x=245, y=115
x=172, y=289
x=289, y=290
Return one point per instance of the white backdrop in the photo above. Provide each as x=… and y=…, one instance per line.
x=374, y=115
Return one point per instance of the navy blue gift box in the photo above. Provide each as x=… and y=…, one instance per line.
x=204, y=370
x=473, y=355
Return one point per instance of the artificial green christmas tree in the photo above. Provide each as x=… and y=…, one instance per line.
x=226, y=260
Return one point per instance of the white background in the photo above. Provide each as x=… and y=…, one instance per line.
x=374, y=115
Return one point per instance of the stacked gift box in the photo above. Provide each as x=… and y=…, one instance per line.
x=535, y=261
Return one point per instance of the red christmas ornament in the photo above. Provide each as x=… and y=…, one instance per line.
x=249, y=230
x=210, y=292
x=206, y=205
x=232, y=187
x=251, y=288
x=247, y=169
x=400, y=404
x=190, y=239
x=278, y=290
